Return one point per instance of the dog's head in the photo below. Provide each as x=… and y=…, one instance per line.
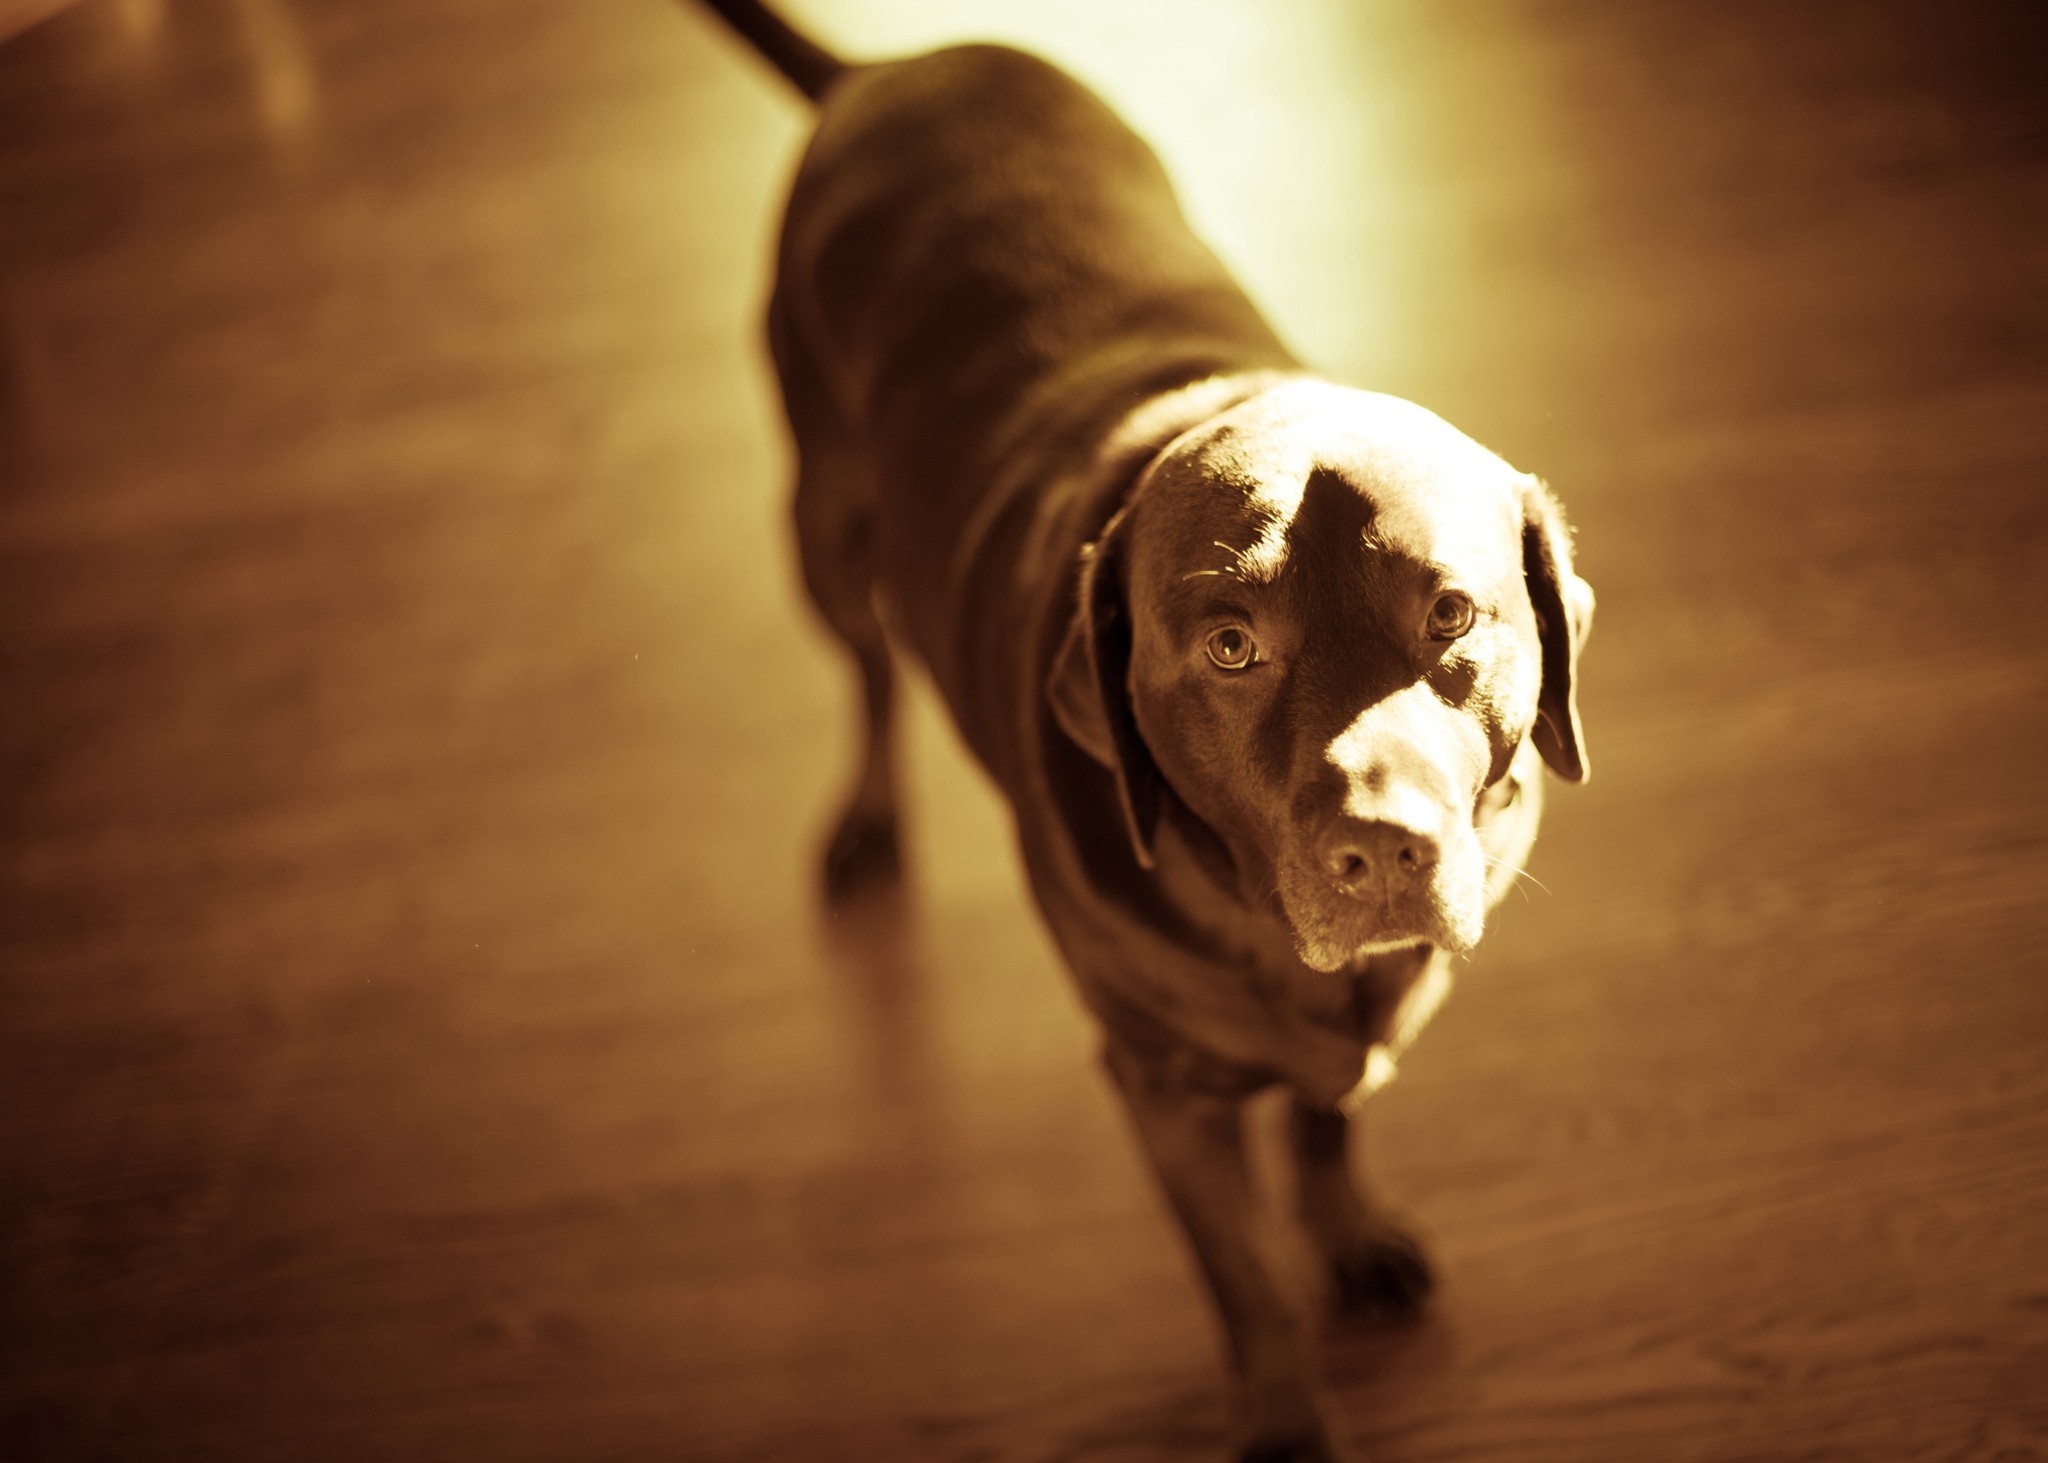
x=1325, y=622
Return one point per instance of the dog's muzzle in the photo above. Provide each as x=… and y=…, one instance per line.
x=1364, y=885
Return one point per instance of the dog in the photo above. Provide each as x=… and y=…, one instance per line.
x=1267, y=668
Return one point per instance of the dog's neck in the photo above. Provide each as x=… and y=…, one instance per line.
x=1196, y=873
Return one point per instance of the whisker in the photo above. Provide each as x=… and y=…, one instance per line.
x=1516, y=870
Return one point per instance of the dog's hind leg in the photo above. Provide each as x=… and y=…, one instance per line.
x=834, y=513
x=1376, y=1269
x=863, y=851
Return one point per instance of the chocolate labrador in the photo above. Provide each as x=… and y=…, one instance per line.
x=1266, y=667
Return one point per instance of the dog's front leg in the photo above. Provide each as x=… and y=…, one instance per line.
x=1376, y=1269
x=1196, y=1142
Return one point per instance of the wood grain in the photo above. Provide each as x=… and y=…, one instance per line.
x=418, y=1038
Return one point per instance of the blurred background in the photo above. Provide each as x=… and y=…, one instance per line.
x=418, y=1035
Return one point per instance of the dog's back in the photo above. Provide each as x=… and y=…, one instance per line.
x=984, y=269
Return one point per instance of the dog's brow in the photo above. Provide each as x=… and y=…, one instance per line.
x=1229, y=571
x=1263, y=560
x=1378, y=543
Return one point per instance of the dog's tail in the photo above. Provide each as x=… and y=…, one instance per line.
x=809, y=66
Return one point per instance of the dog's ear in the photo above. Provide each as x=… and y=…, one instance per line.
x=1564, y=615
x=1090, y=689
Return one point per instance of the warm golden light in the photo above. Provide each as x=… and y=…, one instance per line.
x=142, y=19
x=421, y=1036
x=280, y=70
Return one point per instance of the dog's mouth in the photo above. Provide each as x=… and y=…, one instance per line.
x=1335, y=928
x=1329, y=941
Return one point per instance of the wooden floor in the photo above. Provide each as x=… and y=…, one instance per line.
x=418, y=1039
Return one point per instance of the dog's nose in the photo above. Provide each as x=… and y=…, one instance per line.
x=1364, y=855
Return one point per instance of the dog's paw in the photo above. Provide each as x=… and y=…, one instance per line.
x=1386, y=1277
x=1305, y=1447
x=862, y=855
x=1289, y=1423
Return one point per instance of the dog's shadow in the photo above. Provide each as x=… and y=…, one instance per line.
x=873, y=948
x=1371, y=1366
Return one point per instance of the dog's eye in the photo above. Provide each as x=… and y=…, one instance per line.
x=1451, y=616
x=1231, y=648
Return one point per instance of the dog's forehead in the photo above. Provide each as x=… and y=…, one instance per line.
x=1423, y=488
